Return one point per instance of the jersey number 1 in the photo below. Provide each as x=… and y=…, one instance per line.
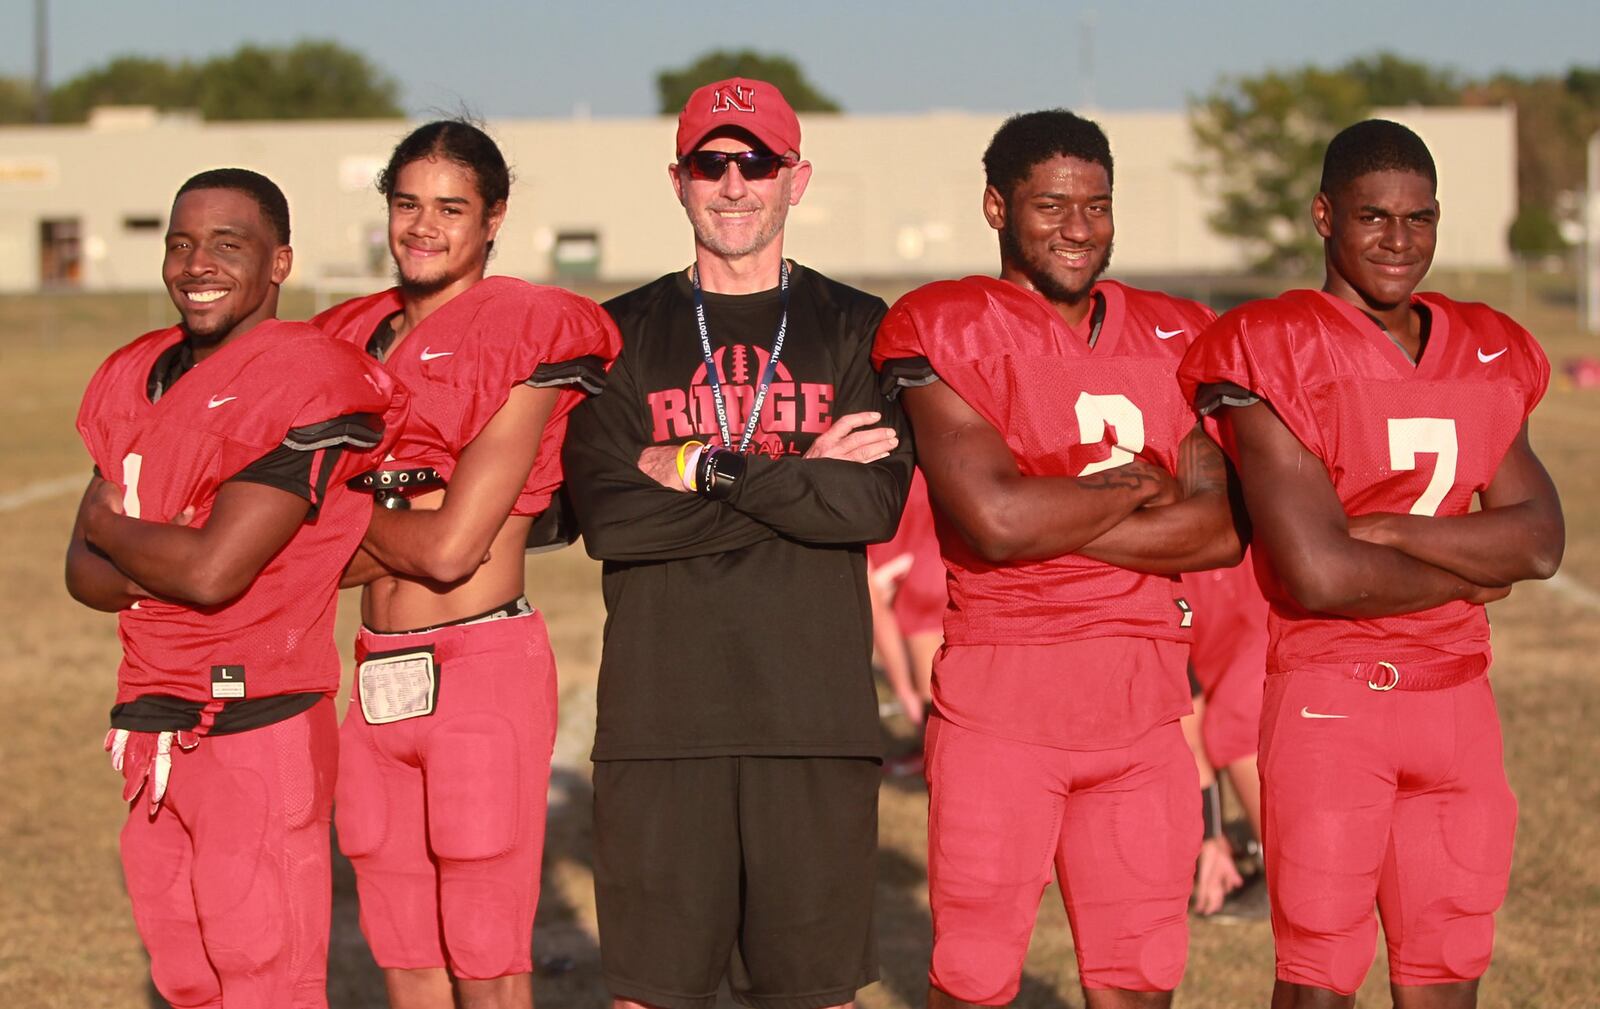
x=131, y=464
x=1410, y=437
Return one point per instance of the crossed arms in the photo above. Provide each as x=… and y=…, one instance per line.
x=1386, y=564
x=848, y=488
x=1136, y=516
x=449, y=543
x=113, y=560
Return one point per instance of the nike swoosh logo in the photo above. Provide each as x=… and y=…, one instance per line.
x=1308, y=713
x=1486, y=358
x=429, y=355
x=214, y=402
x=1166, y=334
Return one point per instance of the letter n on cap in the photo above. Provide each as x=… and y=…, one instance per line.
x=736, y=98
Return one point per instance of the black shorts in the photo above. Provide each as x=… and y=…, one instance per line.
x=760, y=869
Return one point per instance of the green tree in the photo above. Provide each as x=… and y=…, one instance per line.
x=1535, y=233
x=16, y=100
x=673, y=87
x=126, y=80
x=1261, y=141
x=308, y=80
x=1388, y=79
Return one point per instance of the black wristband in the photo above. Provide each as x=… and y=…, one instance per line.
x=1211, y=810
x=718, y=472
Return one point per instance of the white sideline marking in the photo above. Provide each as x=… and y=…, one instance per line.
x=44, y=490
x=1573, y=590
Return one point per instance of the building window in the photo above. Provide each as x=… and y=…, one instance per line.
x=60, y=252
x=576, y=255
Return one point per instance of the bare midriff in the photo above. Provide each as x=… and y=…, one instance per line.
x=399, y=603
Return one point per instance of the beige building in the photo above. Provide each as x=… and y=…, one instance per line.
x=85, y=206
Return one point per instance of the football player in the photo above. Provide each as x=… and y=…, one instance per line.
x=447, y=742
x=217, y=527
x=1364, y=419
x=1072, y=485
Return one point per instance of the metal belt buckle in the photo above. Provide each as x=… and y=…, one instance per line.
x=1389, y=682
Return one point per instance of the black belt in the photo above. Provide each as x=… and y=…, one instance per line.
x=161, y=713
x=387, y=485
x=518, y=607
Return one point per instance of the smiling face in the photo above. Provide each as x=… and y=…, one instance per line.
x=439, y=227
x=223, y=264
x=1055, y=230
x=734, y=217
x=1379, y=232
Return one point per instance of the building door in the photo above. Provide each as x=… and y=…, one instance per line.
x=60, y=252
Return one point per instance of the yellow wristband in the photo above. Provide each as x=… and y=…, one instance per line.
x=683, y=451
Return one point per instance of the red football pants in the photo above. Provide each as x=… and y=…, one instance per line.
x=1396, y=799
x=442, y=816
x=1121, y=826
x=230, y=880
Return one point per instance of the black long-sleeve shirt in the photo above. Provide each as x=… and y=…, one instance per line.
x=741, y=626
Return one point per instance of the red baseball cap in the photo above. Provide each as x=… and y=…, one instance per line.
x=756, y=107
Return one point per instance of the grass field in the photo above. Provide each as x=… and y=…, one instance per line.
x=67, y=939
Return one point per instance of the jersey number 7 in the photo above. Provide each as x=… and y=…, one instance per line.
x=1410, y=437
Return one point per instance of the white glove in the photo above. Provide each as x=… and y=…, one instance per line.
x=146, y=756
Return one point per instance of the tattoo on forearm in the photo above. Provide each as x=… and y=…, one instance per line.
x=1201, y=466
x=1120, y=478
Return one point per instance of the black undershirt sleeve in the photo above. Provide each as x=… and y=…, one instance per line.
x=587, y=373
x=285, y=468
x=305, y=460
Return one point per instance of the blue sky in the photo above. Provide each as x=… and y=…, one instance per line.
x=600, y=57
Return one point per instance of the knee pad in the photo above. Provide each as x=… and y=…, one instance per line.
x=1163, y=954
x=477, y=787
x=1324, y=937
x=1148, y=958
x=488, y=919
x=185, y=984
x=978, y=966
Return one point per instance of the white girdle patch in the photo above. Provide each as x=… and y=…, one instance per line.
x=397, y=686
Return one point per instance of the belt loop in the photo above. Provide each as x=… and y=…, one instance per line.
x=1389, y=682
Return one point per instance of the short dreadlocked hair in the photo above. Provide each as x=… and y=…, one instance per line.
x=1025, y=140
x=1374, y=145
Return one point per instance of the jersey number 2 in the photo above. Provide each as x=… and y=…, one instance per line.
x=1095, y=412
x=1410, y=437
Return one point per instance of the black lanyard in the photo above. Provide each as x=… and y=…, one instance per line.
x=714, y=380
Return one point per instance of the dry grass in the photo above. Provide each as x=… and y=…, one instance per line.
x=68, y=939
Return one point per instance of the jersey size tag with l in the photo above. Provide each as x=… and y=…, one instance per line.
x=395, y=686
x=227, y=683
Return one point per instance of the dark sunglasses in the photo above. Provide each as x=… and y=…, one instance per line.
x=753, y=165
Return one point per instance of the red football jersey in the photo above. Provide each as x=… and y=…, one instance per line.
x=1064, y=409
x=267, y=388
x=1394, y=436
x=463, y=361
